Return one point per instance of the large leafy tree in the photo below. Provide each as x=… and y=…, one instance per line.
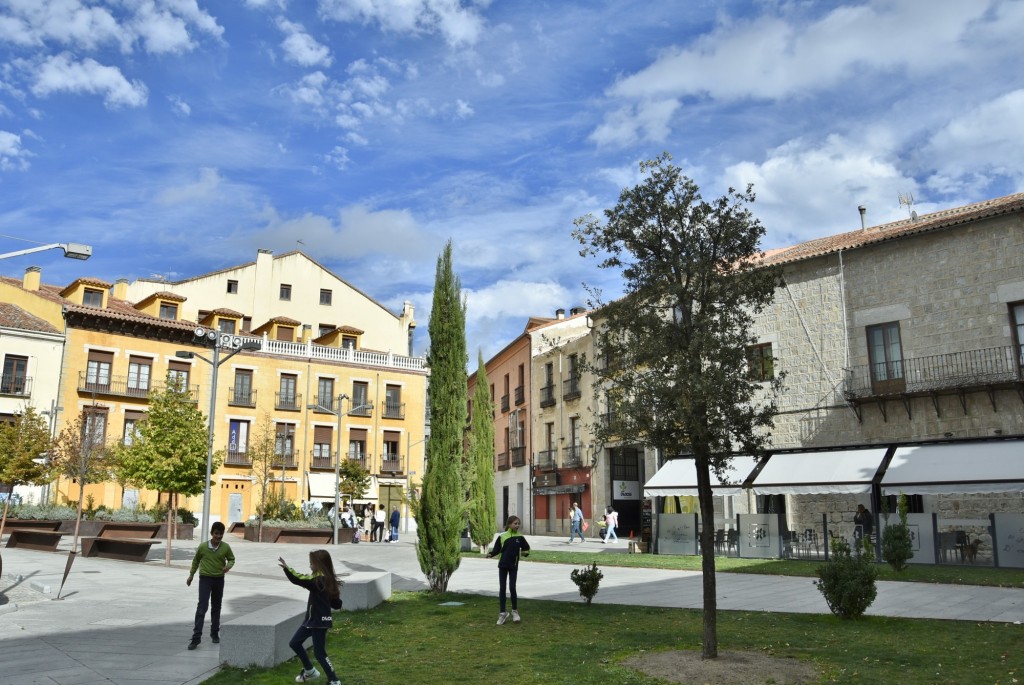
x=441, y=508
x=353, y=479
x=169, y=451
x=482, y=505
x=23, y=445
x=674, y=345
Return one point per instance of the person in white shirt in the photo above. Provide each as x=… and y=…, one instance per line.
x=611, y=519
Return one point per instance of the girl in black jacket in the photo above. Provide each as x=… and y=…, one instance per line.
x=324, y=596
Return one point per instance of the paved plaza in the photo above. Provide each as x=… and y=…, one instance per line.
x=125, y=623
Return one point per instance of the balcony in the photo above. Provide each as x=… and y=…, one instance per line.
x=610, y=421
x=365, y=409
x=358, y=457
x=121, y=386
x=237, y=458
x=547, y=460
x=547, y=396
x=573, y=456
x=287, y=401
x=518, y=456
x=319, y=460
x=242, y=397
x=286, y=460
x=394, y=410
x=520, y=395
x=571, y=389
x=324, y=404
x=504, y=404
x=15, y=386
x=956, y=373
x=391, y=463
x=502, y=460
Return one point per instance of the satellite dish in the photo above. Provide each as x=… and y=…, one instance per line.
x=200, y=332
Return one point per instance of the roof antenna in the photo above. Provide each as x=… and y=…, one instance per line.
x=908, y=200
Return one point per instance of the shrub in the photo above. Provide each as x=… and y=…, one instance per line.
x=897, y=546
x=587, y=580
x=847, y=581
x=43, y=513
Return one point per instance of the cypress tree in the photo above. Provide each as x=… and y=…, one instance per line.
x=482, y=506
x=441, y=509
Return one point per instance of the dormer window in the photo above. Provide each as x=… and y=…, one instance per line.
x=169, y=311
x=92, y=298
x=348, y=342
x=226, y=326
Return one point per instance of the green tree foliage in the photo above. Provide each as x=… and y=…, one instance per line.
x=354, y=479
x=674, y=346
x=897, y=545
x=23, y=444
x=169, y=451
x=80, y=454
x=588, y=580
x=441, y=509
x=847, y=581
x=483, y=509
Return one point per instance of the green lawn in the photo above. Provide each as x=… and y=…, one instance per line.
x=921, y=573
x=413, y=639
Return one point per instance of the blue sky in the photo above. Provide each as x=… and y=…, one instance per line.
x=179, y=136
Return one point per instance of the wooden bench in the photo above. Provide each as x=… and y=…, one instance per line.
x=311, y=536
x=137, y=531
x=126, y=549
x=237, y=528
x=35, y=538
x=32, y=525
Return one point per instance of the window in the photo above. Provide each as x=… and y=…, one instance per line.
x=177, y=375
x=15, y=378
x=357, y=443
x=286, y=333
x=241, y=392
x=97, y=373
x=393, y=407
x=132, y=419
x=286, y=396
x=348, y=342
x=361, y=398
x=139, y=371
x=325, y=393
x=226, y=326
x=92, y=298
x=286, y=291
x=324, y=329
x=94, y=428
x=1017, y=325
x=760, y=362
x=325, y=296
x=238, y=439
x=322, y=446
x=169, y=311
x=625, y=462
x=233, y=287
x=885, y=357
x=284, y=442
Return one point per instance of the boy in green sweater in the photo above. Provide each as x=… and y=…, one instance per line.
x=213, y=559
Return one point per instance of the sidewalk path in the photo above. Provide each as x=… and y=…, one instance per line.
x=126, y=623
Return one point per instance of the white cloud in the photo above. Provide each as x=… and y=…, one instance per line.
x=513, y=298
x=463, y=110
x=203, y=189
x=460, y=26
x=301, y=48
x=179, y=106
x=13, y=157
x=646, y=121
x=60, y=74
x=337, y=157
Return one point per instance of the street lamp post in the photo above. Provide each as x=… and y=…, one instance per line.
x=337, y=454
x=71, y=250
x=217, y=340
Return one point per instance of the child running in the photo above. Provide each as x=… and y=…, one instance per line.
x=324, y=595
x=509, y=545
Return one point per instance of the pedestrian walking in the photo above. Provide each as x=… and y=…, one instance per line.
x=611, y=521
x=396, y=518
x=510, y=545
x=213, y=559
x=576, y=522
x=324, y=596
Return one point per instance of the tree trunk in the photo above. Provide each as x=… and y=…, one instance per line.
x=7, y=504
x=707, y=553
x=170, y=519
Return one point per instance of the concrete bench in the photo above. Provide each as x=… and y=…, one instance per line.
x=34, y=538
x=261, y=638
x=125, y=549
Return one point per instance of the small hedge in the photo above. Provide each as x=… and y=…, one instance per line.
x=848, y=581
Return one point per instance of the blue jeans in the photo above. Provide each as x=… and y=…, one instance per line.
x=319, y=636
x=576, y=530
x=610, y=535
x=394, y=533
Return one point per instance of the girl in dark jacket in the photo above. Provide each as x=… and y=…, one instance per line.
x=509, y=545
x=324, y=596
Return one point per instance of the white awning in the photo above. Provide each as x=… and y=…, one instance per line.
x=959, y=468
x=846, y=472
x=321, y=487
x=679, y=477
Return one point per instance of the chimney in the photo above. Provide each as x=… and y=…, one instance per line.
x=307, y=332
x=33, y=274
x=559, y=313
x=121, y=288
x=575, y=310
x=863, y=222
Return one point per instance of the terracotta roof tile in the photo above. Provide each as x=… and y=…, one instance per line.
x=13, y=316
x=224, y=311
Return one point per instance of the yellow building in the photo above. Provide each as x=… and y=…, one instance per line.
x=118, y=349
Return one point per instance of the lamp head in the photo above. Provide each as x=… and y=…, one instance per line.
x=181, y=354
x=77, y=250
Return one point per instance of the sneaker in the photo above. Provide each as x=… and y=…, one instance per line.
x=193, y=644
x=515, y=616
x=215, y=639
x=305, y=676
x=334, y=682
x=502, y=617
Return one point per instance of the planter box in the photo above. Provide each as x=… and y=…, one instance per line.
x=278, y=534
x=186, y=531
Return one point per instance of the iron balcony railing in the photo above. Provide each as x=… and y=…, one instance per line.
x=504, y=404
x=935, y=373
x=571, y=389
x=287, y=401
x=358, y=457
x=391, y=463
x=502, y=458
x=324, y=403
x=122, y=386
x=547, y=396
x=518, y=456
x=520, y=395
x=321, y=459
x=547, y=459
x=18, y=386
x=394, y=410
x=287, y=460
x=237, y=458
x=241, y=397
x=573, y=456
x=361, y=407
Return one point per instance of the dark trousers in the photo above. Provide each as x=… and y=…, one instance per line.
x=507, y=576
x=319, y=636
x=377, y=532
x=210, y=588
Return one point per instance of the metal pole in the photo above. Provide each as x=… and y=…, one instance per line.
x=337, y=470
x=204, y=533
